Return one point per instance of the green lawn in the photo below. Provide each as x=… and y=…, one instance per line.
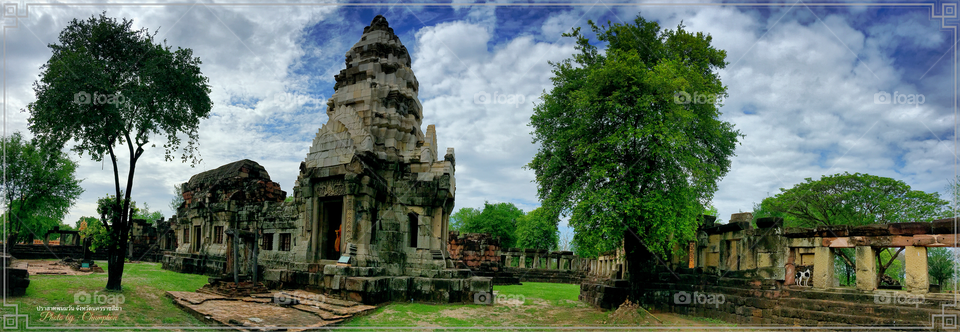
x=144, y=305
x=143, y=302
x=530, y=304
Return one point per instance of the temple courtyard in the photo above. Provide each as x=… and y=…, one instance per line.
x=154, y=297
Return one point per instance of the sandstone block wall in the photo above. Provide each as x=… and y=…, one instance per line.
x=752, y=302
x=477, y=251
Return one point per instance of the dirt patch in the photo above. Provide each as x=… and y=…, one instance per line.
x=47, y=267
x=459, y=313
x=630, y=313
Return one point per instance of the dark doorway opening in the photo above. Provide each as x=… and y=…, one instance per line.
x=332, y=219
x=414, y=228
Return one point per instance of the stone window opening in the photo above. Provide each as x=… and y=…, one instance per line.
x=186, y=234
x=414, y=228
x=267, y=241
x=196, y=238
x=285, y=242
x=218, y=234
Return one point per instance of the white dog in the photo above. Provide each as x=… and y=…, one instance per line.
x=803, y=278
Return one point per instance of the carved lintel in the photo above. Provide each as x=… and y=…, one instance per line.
x=330, y=188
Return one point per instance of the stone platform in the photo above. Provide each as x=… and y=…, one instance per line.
x=287, y=310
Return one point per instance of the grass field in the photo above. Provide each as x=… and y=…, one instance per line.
x=144, y=306
x=143, y=301
x=529, y=305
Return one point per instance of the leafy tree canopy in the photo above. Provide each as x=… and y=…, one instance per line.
x=178, y=200
x=499, y=220
x=111, y=88
x=854, y=199
x=631, y=139
x=40, y=186
x=93, y=228
x=459, y=218
x=146, y=214
x=941, y=264
x=538, y=230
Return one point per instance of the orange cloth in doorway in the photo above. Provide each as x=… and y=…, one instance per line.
x=336, y=244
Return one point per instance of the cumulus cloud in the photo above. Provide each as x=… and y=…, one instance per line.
x=801, y=83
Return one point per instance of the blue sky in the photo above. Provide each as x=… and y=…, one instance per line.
x=802, y=83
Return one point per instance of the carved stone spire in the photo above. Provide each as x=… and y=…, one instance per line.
x=374, y=103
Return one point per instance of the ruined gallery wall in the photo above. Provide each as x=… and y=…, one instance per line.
x=238, y=196
x=744, y=275
x=756, y=302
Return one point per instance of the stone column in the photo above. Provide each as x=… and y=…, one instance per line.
x=866, y=268
x=915, y=274
x=790, y=276
x=823, y=268
x=523, y=260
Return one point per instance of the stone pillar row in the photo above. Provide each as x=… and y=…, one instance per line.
x=915, y=277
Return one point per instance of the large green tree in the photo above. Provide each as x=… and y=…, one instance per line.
x=630, y=139
x=854, y=199
x=498, y=219
x=538, y=230
x=941, y=264
x=40, y=187
x=111, y=88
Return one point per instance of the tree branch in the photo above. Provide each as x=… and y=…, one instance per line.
x=843, y=255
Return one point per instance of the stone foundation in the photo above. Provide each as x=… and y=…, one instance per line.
x=755, y=302
x=545, y=275
x=368, y=285
x=604, y=293
x=40, y=251
x=15, y=277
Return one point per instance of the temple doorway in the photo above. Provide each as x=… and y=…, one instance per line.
x=332, y=214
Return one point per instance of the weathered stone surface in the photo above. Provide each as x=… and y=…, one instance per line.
x=16, y=279
x=372, y=194
x=866, y=268
x=251, y=313
x=916, y=272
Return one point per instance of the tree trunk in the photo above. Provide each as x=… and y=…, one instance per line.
x=882, y=268
x=117, y=255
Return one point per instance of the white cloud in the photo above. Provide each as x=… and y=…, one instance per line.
x=492, y=140
x=808, y=84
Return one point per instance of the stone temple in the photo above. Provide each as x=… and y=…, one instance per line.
x=369, y=214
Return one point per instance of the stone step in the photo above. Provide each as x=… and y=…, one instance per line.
x=262, y=310
x=898, y=298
